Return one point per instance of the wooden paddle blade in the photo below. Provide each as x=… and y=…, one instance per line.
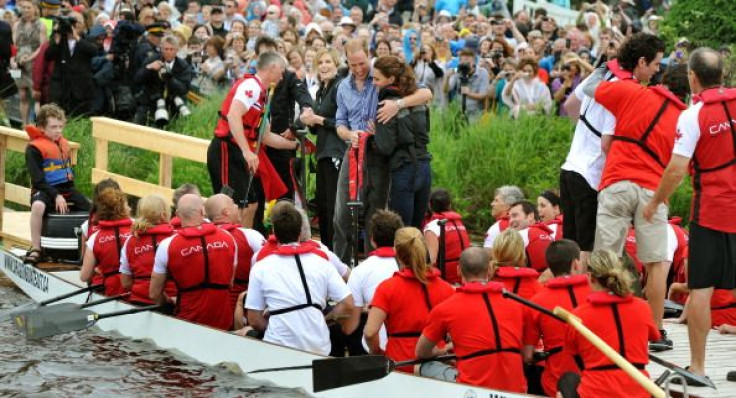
x=332, y=373
x=38, y=325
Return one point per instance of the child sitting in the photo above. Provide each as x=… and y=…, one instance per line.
x=52, y=179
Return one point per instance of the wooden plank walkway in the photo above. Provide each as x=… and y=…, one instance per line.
x=16, y=228
x=720, y=359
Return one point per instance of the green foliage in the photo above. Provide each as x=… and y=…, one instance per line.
x=704, y=22
x=470, y=161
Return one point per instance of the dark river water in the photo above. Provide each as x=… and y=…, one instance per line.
x=93, y=363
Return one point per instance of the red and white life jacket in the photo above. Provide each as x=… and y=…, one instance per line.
x=140, y=251
x=455, y=241
x=106, y=248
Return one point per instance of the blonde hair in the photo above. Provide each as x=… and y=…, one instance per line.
x=151, y=211
x=606, y=268
x=328, y=51
x=411, y=251
x=508, y=250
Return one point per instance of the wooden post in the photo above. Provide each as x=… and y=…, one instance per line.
x=165, y=170
x=101, y=154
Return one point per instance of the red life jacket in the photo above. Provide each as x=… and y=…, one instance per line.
x=556, y=226
x=245, y=256
x=201, y=264
x=296, y=251
x=568, y=292
x=520, y=281
x=107, y=247
x=540, y=236
x=251, y=119
x=175, y=223
x=722, y=308
x=56, y=164
x=273, y=186
x=455, y=241
x=714, y=161
x=141, y=253
x=384, y=252
x=667, y=99
x=618, y=71
x=626, y=324
x=680, y=256
x=272, y=244
x=630, y=249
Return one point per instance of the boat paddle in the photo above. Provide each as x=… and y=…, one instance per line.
x=330, y=373
x=10, y=314
x=49, y=323
x=53, y=309
x=689, y=376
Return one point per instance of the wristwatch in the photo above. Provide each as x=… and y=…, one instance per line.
x=400, y=103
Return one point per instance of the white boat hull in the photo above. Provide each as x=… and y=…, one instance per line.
x=212, y=346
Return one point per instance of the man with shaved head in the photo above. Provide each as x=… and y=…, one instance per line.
x=706, y=138
x=201, y=260
x=473, y=317
x=223, y=212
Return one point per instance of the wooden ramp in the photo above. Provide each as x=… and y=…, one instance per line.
x=720, y=359
x=16, y=228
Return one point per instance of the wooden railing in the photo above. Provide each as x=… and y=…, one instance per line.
x=16, y=141
x=167, y=145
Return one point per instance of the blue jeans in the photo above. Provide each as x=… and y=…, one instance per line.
x=409, y=194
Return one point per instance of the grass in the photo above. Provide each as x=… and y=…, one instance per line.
x=470, y=161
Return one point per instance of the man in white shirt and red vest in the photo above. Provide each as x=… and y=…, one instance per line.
x=706, y=139
x=231, y=156
x=502, y=201
x=294, y=282
x=201, y=260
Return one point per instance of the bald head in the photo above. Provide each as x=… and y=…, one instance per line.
x=474, y=263
x=190, y=210
x=221, y=209
x=707, y=66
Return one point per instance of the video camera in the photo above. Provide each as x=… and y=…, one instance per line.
x=463, y=71
x=64, y=25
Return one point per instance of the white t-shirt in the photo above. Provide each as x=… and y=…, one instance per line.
x=275, y=283
x=688, y=131
x=493, y=232
x=364, y=280
x=124, y=265
x=254, y=238
x=433, y=227
x=586, y=156
x=248, y=93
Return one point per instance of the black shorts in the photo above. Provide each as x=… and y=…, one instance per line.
x=568, y=384
x=75, y=200
x=712, y=258
x=226, y=166
x=579, y=205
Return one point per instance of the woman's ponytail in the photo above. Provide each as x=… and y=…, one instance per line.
x=411, y=251
x=606, y=268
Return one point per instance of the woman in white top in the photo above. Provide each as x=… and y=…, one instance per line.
x=525, y=93
x=428, y=70
x=213, y=69
x=310, y=75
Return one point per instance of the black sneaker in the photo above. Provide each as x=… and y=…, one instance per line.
x=663, y=344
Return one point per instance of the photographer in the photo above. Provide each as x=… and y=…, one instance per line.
x=468, y=83
x=72, y=86
x=164, y=83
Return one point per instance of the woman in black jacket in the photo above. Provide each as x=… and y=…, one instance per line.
x=330, y=147
x=7, y=84
x=404, y=139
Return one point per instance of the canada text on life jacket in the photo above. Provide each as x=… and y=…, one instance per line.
x=27, y=273
x=188, y=251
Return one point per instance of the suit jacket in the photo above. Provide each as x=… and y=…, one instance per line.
x=152, y=85
x=71, y=80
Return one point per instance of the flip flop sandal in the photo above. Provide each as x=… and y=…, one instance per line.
x=33, y=256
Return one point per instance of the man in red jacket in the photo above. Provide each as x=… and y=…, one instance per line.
x=201, y=260
x=706, y=133
x=637, y=153
x=485, y=328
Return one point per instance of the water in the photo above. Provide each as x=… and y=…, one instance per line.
x=93, y=363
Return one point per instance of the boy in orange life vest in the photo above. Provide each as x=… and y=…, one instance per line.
x=294, y=282
x=637, y=154
x=52, y=179
x=456, y=236
x=621, y=320
x=567, y=290
x=510, y=266
x=201, y=260
x=505, y=196
x=536, y=235
x=485, y=328
x=223, y=212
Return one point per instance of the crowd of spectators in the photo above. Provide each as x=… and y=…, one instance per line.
x=144, y=60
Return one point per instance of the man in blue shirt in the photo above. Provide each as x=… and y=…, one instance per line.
x=357, y=110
